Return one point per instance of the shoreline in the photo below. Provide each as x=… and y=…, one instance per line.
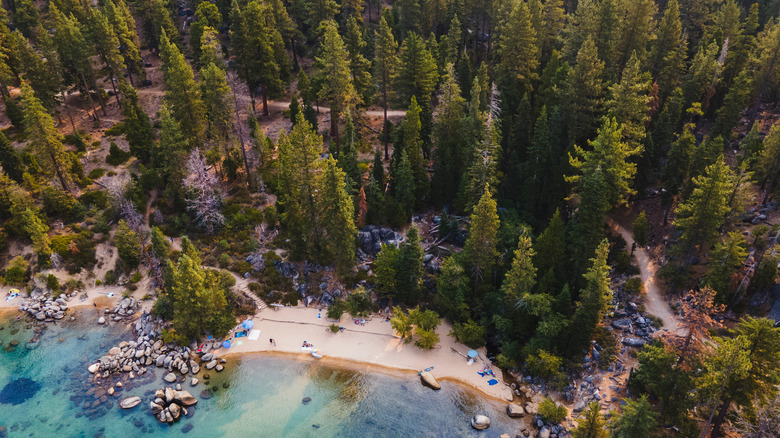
x=372, y=346
x=369, y=367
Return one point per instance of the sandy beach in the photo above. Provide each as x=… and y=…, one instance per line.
x=374, y=344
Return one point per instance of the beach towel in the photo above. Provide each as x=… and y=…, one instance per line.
x=492, y=382
x=481, y=373
x=254, y=335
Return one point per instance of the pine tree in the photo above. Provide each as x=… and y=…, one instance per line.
x=450, y=155
x=550, y=254
x=359, y=66
x=385, y=70
x=660, y=374
x=206, y=15
x=335, y=78
x=587, y=228
x=700, y=216
x=385, y=268
x=483, y=173
x=521, y=278
x=543, y=171
x=409, y=267
x=199, y=297
x=418, y=74
x=43, y=74
x=319, y=11
x=123, y=25
x=348, y=156
x=606, y=34
x=211, y=49
x=182, y=93
x=629, y=103
x=594, y=299
x=299, y=170
x=768, y=162
x=639, y=229
x=519, y=53
x=156, y=18
x=336, y=210
x=172, y=152
x=635, y=30
x=480, y=250
x=138, y=130
x=412, y=147
x=585, y=93
x=26, y=17
x=552, y=25
x=592, y=426
x=410, y=16
x=217, y=101
x=9, y=159
x=45, y=141
x=107, y=46
x=725, y=263
x=126, y=242
x=702, y=74
x=611, y=156
x=37, y=231
x=636, y=421
x=667, y=57
x=259, y=49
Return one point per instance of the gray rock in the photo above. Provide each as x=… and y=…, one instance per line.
x=170, y=377
x=633, y=342
x=211, y=365
x=430, y=381
x=101, y=320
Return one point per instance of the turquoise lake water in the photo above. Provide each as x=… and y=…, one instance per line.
x=262, y=399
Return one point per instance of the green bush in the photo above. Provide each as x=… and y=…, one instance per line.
x=110, y=277
x=16, y=271
x=241, y=267
x=76, y=140
x=224, y=245
x=137, y=276
x=163, y=308
x=271, y=216
x=427, y=339
x=96, y=173
x=62, y=205
x=358, y=303
x=53, y=284
x=116, y=130
x=552, y=412
x=336, y=310
x=634, y=286
x=116, y=156
x=224, y=260
x=334, y=328
x=77, y=250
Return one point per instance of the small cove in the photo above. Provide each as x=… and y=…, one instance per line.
x=255, y=394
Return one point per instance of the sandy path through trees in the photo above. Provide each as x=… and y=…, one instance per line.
x=654, y=301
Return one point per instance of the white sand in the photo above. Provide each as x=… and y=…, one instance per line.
x=372, y=345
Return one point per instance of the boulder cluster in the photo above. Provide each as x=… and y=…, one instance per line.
x=371, y=238
x=169, y=404
x=43, y=307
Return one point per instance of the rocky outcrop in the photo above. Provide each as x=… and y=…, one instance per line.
x=429, y=381
x=43, y=307
x=480, y=422
x=371, y=238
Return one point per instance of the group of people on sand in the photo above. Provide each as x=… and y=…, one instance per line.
x=307, y=345
x=360, y=321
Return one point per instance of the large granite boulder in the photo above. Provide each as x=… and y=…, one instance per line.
x=130, y=402
x=430, y=381
x=480, y=422
x=514, y=410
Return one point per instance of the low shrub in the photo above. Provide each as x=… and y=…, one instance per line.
x=96, y=173
x=116, y=156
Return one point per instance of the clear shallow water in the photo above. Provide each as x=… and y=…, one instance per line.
x=263, y=397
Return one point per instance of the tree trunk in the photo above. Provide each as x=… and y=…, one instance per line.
x=89, y=97
x=368, y=2
x=334, y=129
x=294, y=46
x=265, y=101
x=60, y=176
x=384, y=126
x=241, y=139
x=116, y=95
x=67, y=110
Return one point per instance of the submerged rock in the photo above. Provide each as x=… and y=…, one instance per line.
x=514, y=410
x=130, y=402
x=18, y=391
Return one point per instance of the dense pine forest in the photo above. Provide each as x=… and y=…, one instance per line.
x=516, y=167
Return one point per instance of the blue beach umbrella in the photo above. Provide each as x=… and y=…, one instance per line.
x=226, y=344
x=472, y=353
x=248, y=324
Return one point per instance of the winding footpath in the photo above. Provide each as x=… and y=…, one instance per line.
x=654, y=301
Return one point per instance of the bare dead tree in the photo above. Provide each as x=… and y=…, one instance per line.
x=765, y=424
x=205, y=198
